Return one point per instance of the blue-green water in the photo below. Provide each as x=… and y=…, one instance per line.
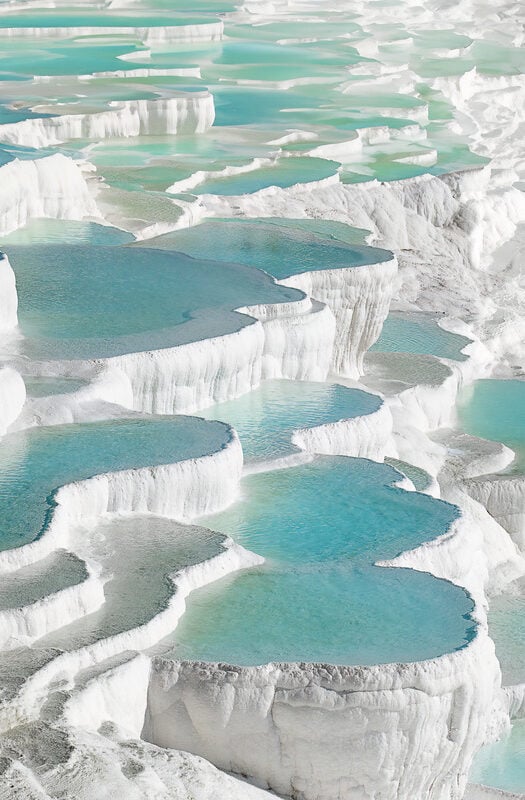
x=66, y=57
x=286, y=172
x=44, y=386
x=279, y=249
x=60, y=231
x=502, y=765
x=266, y=417
x=76, y=18
x=419, y=333
x=34, y=463
x=495, y=409
x=84, y=302
x=321, y=527
x=507, y=629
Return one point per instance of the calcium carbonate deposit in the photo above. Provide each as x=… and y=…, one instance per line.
x=262, y=400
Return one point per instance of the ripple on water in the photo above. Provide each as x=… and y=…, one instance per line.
x=280, y=247
x=266, y=417
x=85, y=302
x=419, y=333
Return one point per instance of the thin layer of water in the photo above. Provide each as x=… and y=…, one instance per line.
x=493, y=409
x=279, y=249
x=266, y=417
x=84, y=302
x=419, y=333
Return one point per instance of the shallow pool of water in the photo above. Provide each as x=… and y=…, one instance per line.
x=47, y=386
x=60, y=231
x=279, y=249
x=507, y=629
x=140, y=585
x=494, y=409
x=419, y=333
x=266, y=417
x=321, y=527
x=502, y=765
x=84, y=302
x=284, y=173
x=35, y=462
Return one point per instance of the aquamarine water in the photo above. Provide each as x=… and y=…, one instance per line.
x=507, y=629
x=318, y=597
x=419, y=477
x=502, y=765
x=286, y=172
x=266, y=417
x=76, y=18
x=85, y=302
x=494, y=409
x=34, y=463
x=270, y=245
x=45, y=387
x=65, y=57
x=60, y=231
x=419, y=333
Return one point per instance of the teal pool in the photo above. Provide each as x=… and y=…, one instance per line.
x=85, y=302
x=76, y=18
x=421, y=334
x=266, y=417
x=507, y=629
x=66, y=57
x=45, y=387
x=318, y=597
x=494, y=409
x=60, y=231
x=502, y=765
x=34, y=463
x=285, y=172
x=279, y=248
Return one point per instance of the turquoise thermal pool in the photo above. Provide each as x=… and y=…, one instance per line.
x=44, y=386
x=75, y=18
x=421, y=334
x=502, y=765
x=319, y=596
x=60, y=231
x=83, y=302
x=507, y=629
x=272, y=245
x=34, y=463
x=266, y=417
x=494, y=409
x=285, y=172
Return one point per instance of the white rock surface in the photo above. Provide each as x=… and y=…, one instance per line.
x=192, y=113
x=12, y=396
x=52, y=186
x=391, y=732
